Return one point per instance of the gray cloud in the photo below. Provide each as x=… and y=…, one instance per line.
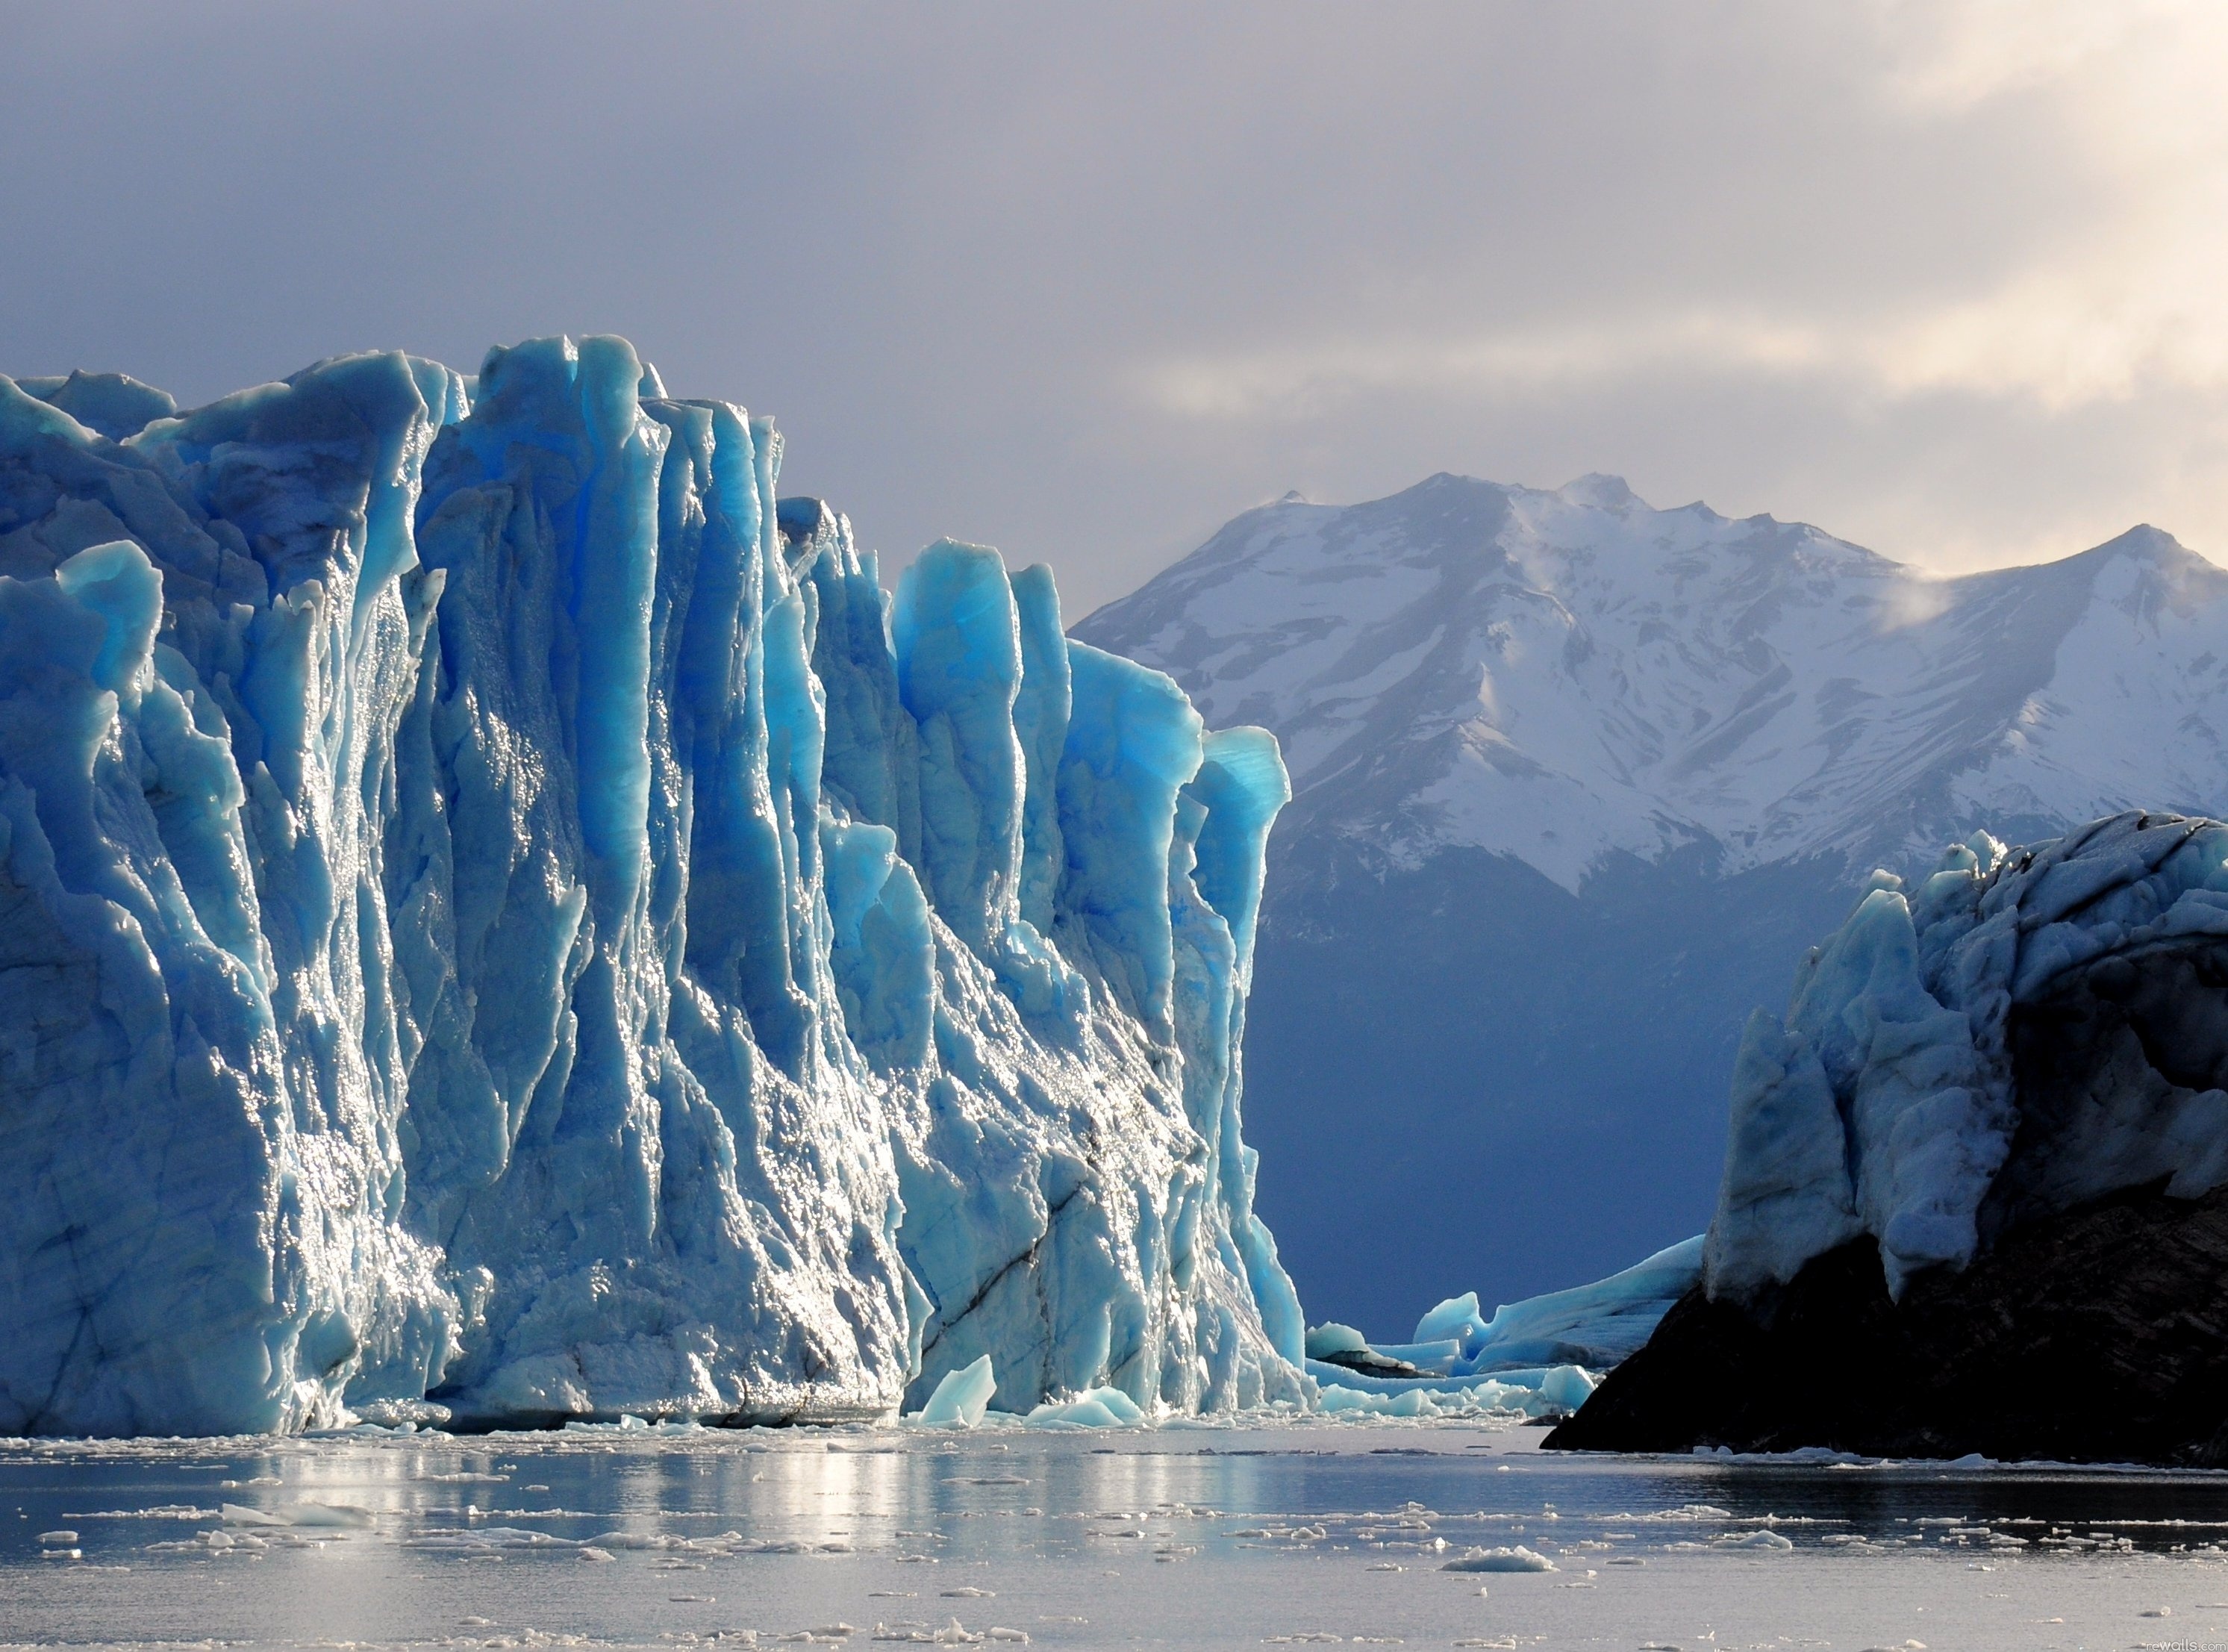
x=1081, y=282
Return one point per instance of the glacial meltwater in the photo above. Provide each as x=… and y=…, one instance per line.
x=1308, y=1532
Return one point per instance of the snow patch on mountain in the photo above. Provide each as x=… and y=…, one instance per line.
x=1560, y=676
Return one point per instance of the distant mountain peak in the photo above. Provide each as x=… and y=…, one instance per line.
x=1577, y=780
x=2156, y=546
x=1603, y=491
x=1562, y=676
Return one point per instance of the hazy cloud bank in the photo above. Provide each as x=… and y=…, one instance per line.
x=1944, y=278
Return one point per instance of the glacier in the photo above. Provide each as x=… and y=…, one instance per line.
x=1595, y=1325
x=506, y=920
x=2019, y=1033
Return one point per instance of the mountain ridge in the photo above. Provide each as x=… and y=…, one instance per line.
x=1547, y=595
x=1576, y=781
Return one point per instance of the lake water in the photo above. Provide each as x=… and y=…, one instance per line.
x=1312, y=1532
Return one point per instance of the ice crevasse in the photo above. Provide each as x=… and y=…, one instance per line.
x=500, y=918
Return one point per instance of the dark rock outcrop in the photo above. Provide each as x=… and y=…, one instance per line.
x=1369, y=1362
x=2024, y=1071
x=2097, y=1335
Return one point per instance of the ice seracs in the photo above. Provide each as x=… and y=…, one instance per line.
x=503, y=914
x=1890, y=1099
x=1541, y=1355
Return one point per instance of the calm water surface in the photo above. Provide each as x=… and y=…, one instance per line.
x=1310, y=1534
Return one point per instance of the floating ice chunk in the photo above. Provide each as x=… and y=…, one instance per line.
x=1456, y=1317
x=388, y=1414
x=334, y=1516
x=345, y=1516
x=1517, y=1558
x=1565, y=1388
x=1324, y=1340
x=1335, y=1398
x=240, y=1514
x=961, y=1398
x=1094, y=1408
x=1555, y=1390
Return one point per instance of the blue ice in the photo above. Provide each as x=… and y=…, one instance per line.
x=504, y=919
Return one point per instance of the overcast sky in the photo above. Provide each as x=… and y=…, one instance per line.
x=1082, y=282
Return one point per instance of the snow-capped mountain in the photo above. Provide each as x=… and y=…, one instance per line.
x=1576, y=779
x=1558, y=676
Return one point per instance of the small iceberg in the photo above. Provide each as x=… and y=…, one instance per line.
x=961, y=1398
x=1518, y=1558
x=1094, y=1408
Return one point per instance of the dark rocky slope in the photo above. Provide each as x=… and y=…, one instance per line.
x=2086, y=1319
x=2097, y=1335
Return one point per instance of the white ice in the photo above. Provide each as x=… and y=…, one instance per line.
x=961, y=1398
x=1540, y=1355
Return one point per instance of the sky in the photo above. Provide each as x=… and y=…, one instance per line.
x=1948, y=277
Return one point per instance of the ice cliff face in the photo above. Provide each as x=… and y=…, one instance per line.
x=496, y=909
x=2023, y=1032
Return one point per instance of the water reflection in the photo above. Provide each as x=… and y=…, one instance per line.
x=1207, y=1537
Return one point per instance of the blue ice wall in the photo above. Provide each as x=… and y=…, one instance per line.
x=1133, y=741
x=958, y=645
x=504, y=918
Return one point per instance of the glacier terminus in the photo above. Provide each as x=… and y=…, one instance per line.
x=503, y=921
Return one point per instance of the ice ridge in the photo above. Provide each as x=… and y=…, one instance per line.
x=1891, y=1099
x=497, y=910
